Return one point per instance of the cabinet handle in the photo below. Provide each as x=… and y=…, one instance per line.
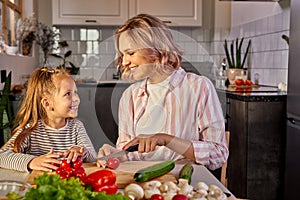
x=167, y=22
x=90, y=20
x=90, y=95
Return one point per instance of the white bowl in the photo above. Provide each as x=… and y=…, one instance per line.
x=18, y=187
x=11, y=50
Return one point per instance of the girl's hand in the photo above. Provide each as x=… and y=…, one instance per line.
x=72, y=153
x=48, y=162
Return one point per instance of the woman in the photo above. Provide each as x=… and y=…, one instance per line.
x=171, y=114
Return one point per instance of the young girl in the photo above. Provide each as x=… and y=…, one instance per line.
x=46, y=129
x=171, y=114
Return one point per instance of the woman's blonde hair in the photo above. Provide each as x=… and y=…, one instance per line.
x=148, y=32
x=40, y=85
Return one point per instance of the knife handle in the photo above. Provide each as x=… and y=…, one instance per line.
x=132, y=148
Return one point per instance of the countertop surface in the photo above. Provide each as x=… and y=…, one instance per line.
x=253, y=93
x=201, y=174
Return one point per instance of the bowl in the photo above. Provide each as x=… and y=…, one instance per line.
x=11, y=50
x=18, y=187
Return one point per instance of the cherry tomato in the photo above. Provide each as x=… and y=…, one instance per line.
x=179, y=197
x=248, y=82
x=157, y=197
x=77, y=163
x=239, y=82
x=59, y=170
x=64, y=164
x=113, y=163
x=79, y=173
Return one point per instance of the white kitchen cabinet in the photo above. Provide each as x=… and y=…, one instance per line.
x=172, y=12
x=91, y=12
x=116, y=12
x=87, y=114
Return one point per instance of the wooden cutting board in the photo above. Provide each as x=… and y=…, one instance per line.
x=124, y=172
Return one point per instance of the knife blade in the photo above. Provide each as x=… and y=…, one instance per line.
x=120, y=153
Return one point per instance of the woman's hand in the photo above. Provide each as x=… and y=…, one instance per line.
x=47, y=162
x=148, y=143
x=72, y=153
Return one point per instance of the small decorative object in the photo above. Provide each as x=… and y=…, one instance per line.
x=26, y=34
x=66, y=63
x=45, y=37
x=234, y=58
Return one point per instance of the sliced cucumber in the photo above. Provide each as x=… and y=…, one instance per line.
x=154, y=171
x=186, y=172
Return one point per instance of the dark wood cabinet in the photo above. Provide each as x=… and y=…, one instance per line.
x=257, y=143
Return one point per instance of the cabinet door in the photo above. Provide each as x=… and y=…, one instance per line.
x=91, y=12
x=173, y=12
x=87, y=114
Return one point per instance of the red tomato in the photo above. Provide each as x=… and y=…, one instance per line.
x=157, y=197
x=179, y=197
x=248, y=82
x=77, y=163
x=64, y=164
x=113, y=163
x=239, y=82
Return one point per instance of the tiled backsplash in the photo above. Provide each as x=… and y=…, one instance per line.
x=93, y=48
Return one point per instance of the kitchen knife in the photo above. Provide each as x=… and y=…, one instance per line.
x=120, y=153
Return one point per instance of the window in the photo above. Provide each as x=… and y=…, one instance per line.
x=10, y=12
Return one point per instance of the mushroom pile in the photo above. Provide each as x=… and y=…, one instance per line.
x=169, y=189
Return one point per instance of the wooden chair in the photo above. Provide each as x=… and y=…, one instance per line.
x=224, y=167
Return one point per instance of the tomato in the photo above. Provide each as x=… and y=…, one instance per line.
x=239, y=82
x=248, y=82
x=77, y=163
x=79, y=173
x=179, y=197
x=101, y=178
x=64, y=164
x=157, y=197
x=113, y=163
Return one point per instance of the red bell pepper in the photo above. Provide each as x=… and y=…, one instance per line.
x=102, y=180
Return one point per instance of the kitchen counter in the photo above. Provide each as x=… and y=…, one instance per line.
x=201, y=173
x=253, y=94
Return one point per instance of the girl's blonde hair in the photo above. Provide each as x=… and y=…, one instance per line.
x=40, y=85
x=151, y=34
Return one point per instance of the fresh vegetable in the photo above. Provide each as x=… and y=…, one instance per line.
x=248, y=82
x=157, y=197
x=239, y=82
x=113, y=163
x=73, y=169
x=180, y=197
x=154, y=171
x=102, y=180
x=53, y=187
x=186, y=172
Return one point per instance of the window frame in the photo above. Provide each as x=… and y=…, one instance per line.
x=14, y=7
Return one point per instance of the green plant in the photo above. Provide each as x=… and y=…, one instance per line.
x=5, y=108
x=72, y=68
x=234, y=57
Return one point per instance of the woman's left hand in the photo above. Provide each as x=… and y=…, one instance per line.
x=72, y=153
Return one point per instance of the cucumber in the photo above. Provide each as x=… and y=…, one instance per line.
x=154, y=171
x=186, y=172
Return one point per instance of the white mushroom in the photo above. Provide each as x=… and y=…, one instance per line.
x=134, y=191
x=215, y=193
x=202, y=186
x=169, y=189
x=151, y=187
x=185, y=187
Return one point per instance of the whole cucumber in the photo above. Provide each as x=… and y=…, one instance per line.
x=154, y=171
x=186, y=172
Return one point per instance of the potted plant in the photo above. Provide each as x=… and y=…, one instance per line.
x=234, y=58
